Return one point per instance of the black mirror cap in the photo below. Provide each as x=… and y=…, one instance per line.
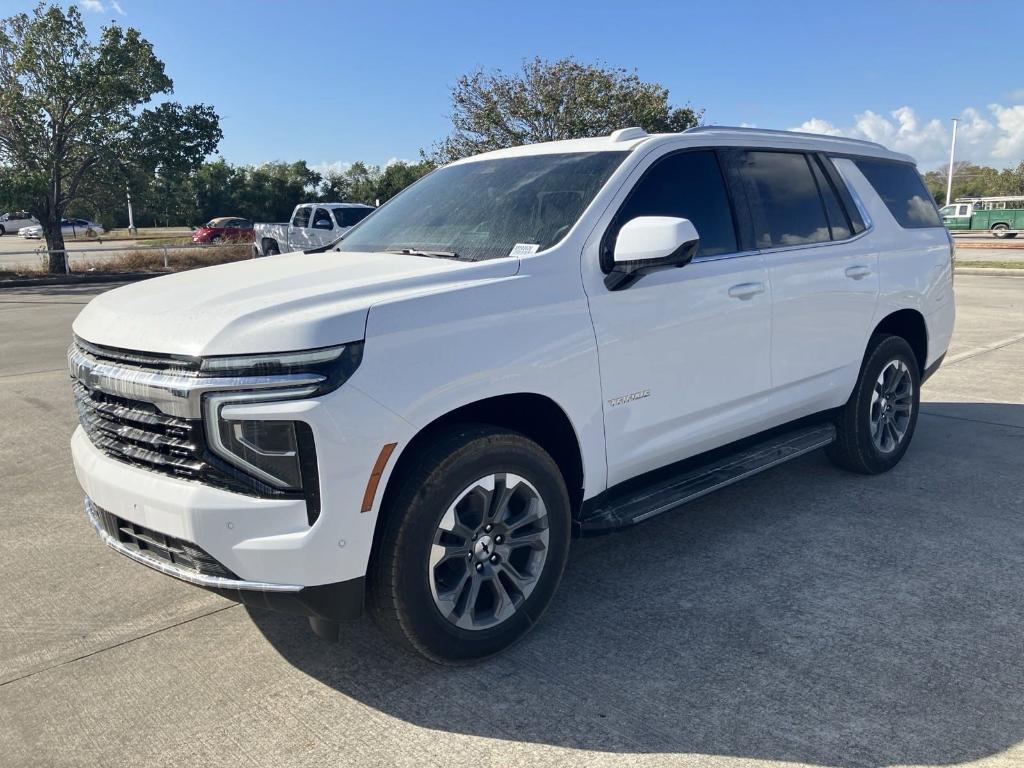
x=625, y=274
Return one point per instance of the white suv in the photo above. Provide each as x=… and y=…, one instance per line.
x=524, y=346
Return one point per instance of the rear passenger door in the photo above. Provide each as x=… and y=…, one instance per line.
x=823, y=275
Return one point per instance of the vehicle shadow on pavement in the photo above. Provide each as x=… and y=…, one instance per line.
x=805, y=615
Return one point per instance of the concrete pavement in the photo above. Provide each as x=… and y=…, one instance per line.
x=805, y=616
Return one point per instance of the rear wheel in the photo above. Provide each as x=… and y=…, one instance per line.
x=270, y=248
x=473, y=546
x=2, y=230
x=1000, y=231
x=875, y=427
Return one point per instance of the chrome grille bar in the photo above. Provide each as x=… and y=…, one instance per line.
x=175, y=394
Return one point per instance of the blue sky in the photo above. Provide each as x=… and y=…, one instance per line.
x=334, y=82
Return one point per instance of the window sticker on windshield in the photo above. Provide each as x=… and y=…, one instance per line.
x=524, y=249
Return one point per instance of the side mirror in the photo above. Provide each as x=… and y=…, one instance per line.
x=323, y=224
x=649, y=243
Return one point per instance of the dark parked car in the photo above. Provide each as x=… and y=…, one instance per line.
x=224, y=228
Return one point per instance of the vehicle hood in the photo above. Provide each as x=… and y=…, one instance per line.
x=274, y=304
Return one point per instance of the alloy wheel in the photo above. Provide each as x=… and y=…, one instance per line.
x=488, y=551
x=892, y=403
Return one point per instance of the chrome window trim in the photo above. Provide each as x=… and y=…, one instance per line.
x=786, y=248
x=823, y=243
x=201, y=580
x=173, y=394
x=724, y=256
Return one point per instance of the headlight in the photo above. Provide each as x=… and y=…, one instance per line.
x=280, y=454
x=335, y=364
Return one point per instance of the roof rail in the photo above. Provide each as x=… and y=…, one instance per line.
x=789, y=134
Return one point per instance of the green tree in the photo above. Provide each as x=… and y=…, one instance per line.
x=365, y=183
x=72, y=116
x=970, y=180
x=551, y=100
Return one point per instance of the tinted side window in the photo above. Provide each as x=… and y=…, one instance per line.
x=322, y=219
x=901, y=189
x=301, y=217
x=349, y=216
x=687, y=185
x=837, y=219
x=784, y=199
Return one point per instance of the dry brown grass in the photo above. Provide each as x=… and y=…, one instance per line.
x=178, y=260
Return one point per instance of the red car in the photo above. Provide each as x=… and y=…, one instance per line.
x=224, y=228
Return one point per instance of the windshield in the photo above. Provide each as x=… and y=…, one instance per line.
x=481, y=210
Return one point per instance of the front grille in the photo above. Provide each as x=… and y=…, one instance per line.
x=149, y=360
x=160, y=546
x=139, y=434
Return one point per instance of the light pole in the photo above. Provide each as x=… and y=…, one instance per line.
x=952, y=151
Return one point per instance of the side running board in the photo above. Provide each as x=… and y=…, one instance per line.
x=668, y=493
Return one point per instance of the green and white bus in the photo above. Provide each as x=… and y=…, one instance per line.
x=1002, y=216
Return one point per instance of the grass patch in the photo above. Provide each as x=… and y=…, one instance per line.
x=141, y=261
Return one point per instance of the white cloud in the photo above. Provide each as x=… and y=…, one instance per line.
x=324, y=168
x=1009, y=145
x=96, y=6
x=994, y=139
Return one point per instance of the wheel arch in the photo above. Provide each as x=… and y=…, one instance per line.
x=910, y=325
x=536, y=416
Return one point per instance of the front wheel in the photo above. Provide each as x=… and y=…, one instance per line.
x=2, y=230
x=875, y=427
x=473, y=546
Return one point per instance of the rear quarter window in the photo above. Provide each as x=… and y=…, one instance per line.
x=903, y=192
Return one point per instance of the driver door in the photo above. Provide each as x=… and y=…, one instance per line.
x=298, y=230
x=321, y=228
x=684, y=353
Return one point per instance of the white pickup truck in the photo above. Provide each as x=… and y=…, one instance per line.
x=312, y=225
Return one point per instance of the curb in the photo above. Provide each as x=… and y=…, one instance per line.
x=990, y=271
x=988, y=247
x=83, y=279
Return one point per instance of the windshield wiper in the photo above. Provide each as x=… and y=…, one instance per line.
x=430, y=254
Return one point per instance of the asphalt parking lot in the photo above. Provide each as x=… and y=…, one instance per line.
x=805, y=616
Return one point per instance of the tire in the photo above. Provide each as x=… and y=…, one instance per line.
x=875, y=427
x=270, y=248
x=437, y=578
x=2, y=230
x=999, y=230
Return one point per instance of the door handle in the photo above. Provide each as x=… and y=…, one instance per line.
x=858, y=272
x=745, y=291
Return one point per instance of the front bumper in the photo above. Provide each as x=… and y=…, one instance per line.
x=331, y=602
